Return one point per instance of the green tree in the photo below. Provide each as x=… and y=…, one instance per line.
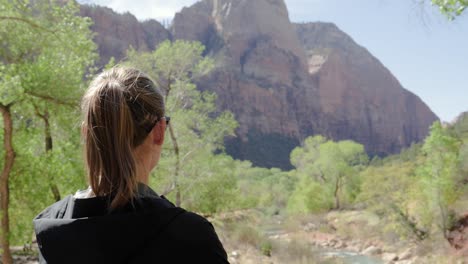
x=326, y=170
x=47, y=50
x=386, y=189
x=340, y=163
x=439, y=180
x=197, y=129
x=262, y=188
x=211, y=185
x=310, y=196
x=33, y=170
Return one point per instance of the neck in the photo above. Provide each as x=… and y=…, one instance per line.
x=142, y=173
x=146, y=158
x=143, y=167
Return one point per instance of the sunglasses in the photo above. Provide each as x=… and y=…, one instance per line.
x=167, y=118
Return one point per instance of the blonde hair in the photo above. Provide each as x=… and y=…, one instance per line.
x=119, y=108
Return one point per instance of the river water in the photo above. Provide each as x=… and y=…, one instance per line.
x=351, y=257
x=273, y=228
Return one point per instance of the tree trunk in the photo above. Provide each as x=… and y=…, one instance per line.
x=48, y=134
x=337, y=189
x=176, y=149
x=55, y=191
x=4, y=189
x=177, y=165
x=443, y=215
x=48, y=147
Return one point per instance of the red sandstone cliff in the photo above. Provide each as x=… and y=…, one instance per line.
x=359, y=97
x=115, y=33
x=283, y=81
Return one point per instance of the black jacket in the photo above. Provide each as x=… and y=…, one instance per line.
x=151, y=230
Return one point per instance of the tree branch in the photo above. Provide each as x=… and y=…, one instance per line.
x=52, y=99
x=32, y=24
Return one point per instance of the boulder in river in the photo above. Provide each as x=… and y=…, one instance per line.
x=372, y=250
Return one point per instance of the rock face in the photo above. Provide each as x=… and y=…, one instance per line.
x=288, y=81
x=262, y=76
x=359, y=97
x=115, y=33
x=283, y=81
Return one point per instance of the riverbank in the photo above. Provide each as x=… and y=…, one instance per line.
x=334, y=237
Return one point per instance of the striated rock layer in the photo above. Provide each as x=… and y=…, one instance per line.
x=284, y=81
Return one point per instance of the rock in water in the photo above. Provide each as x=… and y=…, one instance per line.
x=372, y=250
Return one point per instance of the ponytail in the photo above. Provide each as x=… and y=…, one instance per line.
x=117, y=109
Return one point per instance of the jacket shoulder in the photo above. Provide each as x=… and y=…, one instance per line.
x=56, y=210
x=189, y=238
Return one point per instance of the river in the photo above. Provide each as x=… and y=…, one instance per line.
x=349, y=257
x=273, y=229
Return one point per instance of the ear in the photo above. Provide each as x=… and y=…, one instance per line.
x=158, y=133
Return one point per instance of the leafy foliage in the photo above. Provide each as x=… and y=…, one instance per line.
x=387, y=190
x=416, y=190
x=268, y=189
x=46, y=54
x=451, y=8
x=439, y=179
x=327, y=172
x=31, y=178
x=201, y=179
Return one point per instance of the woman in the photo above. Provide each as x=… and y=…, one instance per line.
x=119, y=219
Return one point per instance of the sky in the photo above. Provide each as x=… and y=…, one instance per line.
x=427, y=53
